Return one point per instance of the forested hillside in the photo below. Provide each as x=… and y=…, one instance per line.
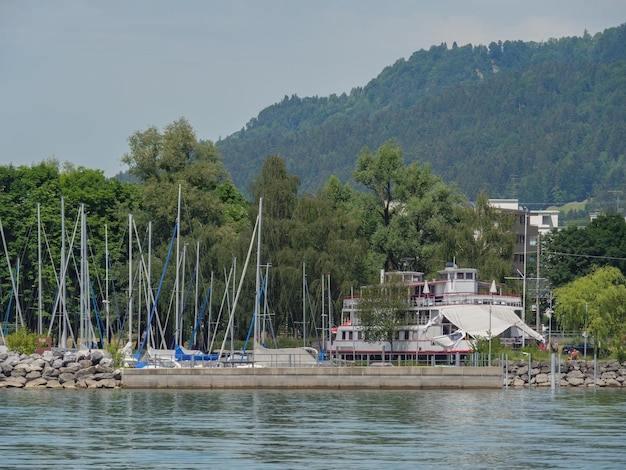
x=544, y=122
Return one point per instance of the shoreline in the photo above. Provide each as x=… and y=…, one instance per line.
x=94, y=370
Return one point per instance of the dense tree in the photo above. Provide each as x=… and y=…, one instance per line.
x=574, y=252
x=551, y=113
x=483, y=238
x=595, y=303
x=412, y=208
x=44, y=185
x=213, y=212
x=321, y=230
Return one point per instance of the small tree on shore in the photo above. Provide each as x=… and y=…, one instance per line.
x=382, y=310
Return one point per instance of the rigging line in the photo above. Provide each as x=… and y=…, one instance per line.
x=585, y=256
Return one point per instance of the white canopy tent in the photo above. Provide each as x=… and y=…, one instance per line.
x=474, y=319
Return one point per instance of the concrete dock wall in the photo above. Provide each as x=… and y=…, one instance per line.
x=315, y=377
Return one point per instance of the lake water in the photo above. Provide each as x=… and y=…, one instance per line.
x=313, y=429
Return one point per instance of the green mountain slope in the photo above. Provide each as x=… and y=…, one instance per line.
x=545, y=122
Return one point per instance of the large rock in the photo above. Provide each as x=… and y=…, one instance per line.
x=83, y=354
x=69, y=359
x=91, y=383
x=518, y=382
x=15, y=382
x=107, y=383
x=96, y=356
x=85, y=372
x=32, y=375
x=81, y=384
x=66, y=377
x=36, y=383
x=104, y=376
x=53, y=383
x=106, y=362
x=70, y=367
x=39, y=363
x=50, y=372
x=613, y=383
x=26, y=367
x=576, y=373
x=18, y=373
x=575, y=381
x=102, y=369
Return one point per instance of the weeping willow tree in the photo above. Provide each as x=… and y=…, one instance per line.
x=595, y=303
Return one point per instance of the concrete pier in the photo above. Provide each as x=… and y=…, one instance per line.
x=315, y=378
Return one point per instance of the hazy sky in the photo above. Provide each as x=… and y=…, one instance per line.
x=77, y=78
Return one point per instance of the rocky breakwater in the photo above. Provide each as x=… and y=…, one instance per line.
x=610, y=373
x=56, y=369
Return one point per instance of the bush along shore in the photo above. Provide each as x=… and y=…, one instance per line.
x=609, y=373
x=57, y=369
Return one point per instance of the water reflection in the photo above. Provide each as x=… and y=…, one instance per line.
x=312, y=429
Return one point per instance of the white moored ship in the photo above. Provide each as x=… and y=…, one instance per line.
x=443, y=318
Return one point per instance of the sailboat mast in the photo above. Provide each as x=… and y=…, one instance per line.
x=257, y=305
x=62, y=287
x=330, y=312
x=176, y=285
x=149, y=282
x=323, y=322
x=196, y=311
x=106, y=282
x=39, y=297
x=130, y=278
x=304, y=304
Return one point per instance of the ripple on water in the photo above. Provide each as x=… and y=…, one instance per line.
x=312, y=429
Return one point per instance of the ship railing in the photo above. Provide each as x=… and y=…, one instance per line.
x=459, y=299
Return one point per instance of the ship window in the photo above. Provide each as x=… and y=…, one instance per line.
x=349, y=335
x=460, y=275
x=469, y=276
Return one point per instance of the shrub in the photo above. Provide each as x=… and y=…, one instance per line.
x=116, y=354
x=22, y=341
